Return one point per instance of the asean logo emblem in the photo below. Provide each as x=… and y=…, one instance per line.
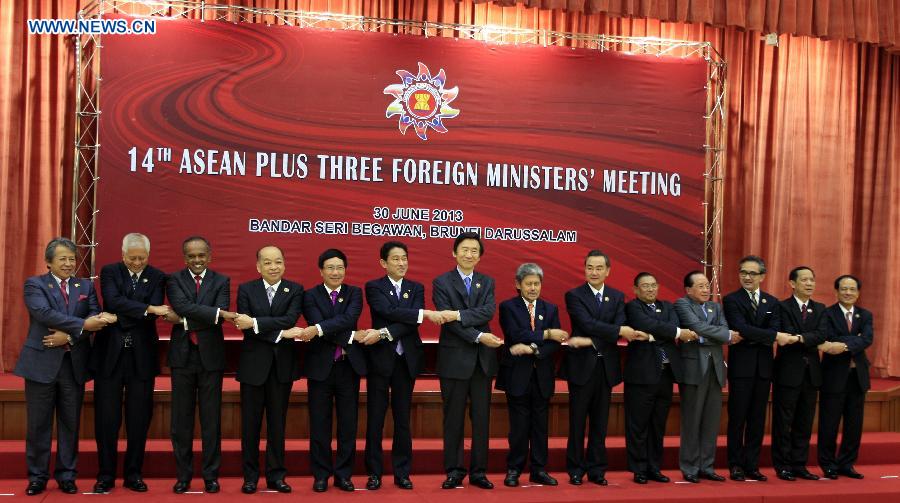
x=421, y=101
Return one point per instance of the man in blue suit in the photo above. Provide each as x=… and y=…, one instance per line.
x=63, y=310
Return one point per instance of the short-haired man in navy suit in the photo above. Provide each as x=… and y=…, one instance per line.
x=592, y=367
x=62, y=310
x=125, y=361
x=527, y=373
x=845, y=379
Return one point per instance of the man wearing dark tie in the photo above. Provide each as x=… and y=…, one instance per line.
x=200, y=298
x=754, y=314
x=397, y=306
x=592, y=367
x=125, y=361
x=62, y=310
x=704, y=377
x=268, y=309
x=651, y=368
x=467, y=359
x=845, y=379
x=527, y=374
x=333, y=365
x=798, y=376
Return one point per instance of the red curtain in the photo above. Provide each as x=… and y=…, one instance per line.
x=813, y=155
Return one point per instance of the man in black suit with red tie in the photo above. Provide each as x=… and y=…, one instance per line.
x=200, y=298
x=651, y=368
x=397, y=306
x=467, y=359
x=752, y=313
x=798, y=376
x=62, y=311
x=592, y=367
x=333, y=365
x=527, y=373
x=845, y=379
x=268, y=309
x=125, y=361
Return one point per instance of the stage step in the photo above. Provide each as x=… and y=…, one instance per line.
x=879, y=448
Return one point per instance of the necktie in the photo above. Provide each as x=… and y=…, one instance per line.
x=531, y=313
x=64, y=290
x=468, y=281
x=197, y=279
x=338, y=351
x=753, y=302
x=849, y=321
x=660, y=353
x=599, y=299
x=191, y=334
x=803, y=312
x=399, y=343
x=703, y=310
x=134, y=278
x=270, y=293
x=652, y=308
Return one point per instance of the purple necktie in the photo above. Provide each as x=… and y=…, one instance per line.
x=338, y=351
x=399, y=344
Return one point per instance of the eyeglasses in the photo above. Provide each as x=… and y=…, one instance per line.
x=749, y=274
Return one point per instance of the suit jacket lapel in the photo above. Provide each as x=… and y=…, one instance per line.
x=457, y=281
x=588, y=296
x=389, y=290
x=540, y=315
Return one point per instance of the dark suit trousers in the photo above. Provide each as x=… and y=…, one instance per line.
x=455, y=393
x=747, y=402
x=272, y=398
x=701, y=409
x=848, y=405
x=397, y=389
x=588, y=402
x=528, y=418
x=138, y=397
x=793, y=410
x=341, y=391
x=646, y=411
x=64, y=396
x=192, y=384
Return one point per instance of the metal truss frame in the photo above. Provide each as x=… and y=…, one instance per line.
x=88, y=80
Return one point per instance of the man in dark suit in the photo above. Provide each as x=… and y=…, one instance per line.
x=269, y=307
x=592, y=367
x=797, y=378
x=845, y=379
x=467, y=359
x=63, y=310
x=397, y=306
x=333, y=365
x=704, y=377
x=527, y=373
x=753, y=313
x=200, y=298
x=651, y=368
x=125, y=361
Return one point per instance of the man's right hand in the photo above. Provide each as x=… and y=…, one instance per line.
x=94, y=323
x=172, y=317
x=735, y=337
x=434, y=317
x=580, y=342
x=490, y=340
x=783, y=339
x=158, y=310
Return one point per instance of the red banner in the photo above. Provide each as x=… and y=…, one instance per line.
x=251, y=135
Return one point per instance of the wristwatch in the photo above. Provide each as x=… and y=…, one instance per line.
x=534, y=347
x=385, y=334
x=70, y=340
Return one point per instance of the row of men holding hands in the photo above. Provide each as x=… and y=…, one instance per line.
x=666, y=345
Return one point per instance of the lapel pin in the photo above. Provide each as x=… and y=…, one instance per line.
x=808, y=309
x=405, y=295
x=605, y=299
x=340, y=299
x=540, y=316
x=764, y=301
x=50, y=285
x=855, y=316
x=710, y=310
x=77, y=285
x=286, y=289
x=659, y=310
x=144, y=280
x=477, y=285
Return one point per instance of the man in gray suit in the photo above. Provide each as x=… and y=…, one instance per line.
x=704, y=377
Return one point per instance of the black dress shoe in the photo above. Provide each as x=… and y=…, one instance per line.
x=34, y=488
x=249, y=487
x=830, y=474
x=481, y=482
x=181, y=487
x=279, y=485
x=693, y=479
x=68, y=486
x=575, y=480
x=512, y=479
x=374, y=483
x=785, y=475
x=344, y=484
x=211, y=486
x=715, y=477
x=320, y=485
x=640, y=478
x=805, y=474
x=658, y=477
x=850, y=472
x=543, y=478
x=403, y=483
x=755, y=475
x=136, y=485
x=737, y=473
x=452, y=482
x=600, y=480
x=102, y=487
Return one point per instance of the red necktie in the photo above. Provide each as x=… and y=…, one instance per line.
x=338, y=351
x=191, y=334
x=65, y=292
x=803, y=312
x=849, y=321
x=531, y=314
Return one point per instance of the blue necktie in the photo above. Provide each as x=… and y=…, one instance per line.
x=599, y=299
x=468, y=281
